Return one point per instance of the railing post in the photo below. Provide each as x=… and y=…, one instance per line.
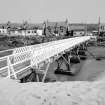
x=10, y=68
x=37, y=75
x=45, y=73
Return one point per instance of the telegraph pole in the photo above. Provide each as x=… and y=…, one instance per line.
x=67, y=27
x=44, y=28
x=85, y=29
x=99, y=26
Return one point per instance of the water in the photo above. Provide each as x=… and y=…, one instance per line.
x=88, y=70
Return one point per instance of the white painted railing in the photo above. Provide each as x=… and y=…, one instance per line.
x=24, y=58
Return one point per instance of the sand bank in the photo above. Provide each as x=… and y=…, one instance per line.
x=59, y=93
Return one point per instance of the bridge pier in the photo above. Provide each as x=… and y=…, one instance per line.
x=65, y=58
x=41, y=71
x=30, y=78
x=81, y=51
x=71, y=57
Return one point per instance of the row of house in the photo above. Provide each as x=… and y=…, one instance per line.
x=50, y=28
x=19, y=29
x=27, y=32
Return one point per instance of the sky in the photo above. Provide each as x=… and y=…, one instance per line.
x=35, y=11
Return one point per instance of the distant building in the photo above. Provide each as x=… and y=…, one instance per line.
x=95, y=33
x=30, y=32
x=22, y=32
x=39, y=32
x=3, y=31
x=78, y=33
x=101, y=27
x=78, y=29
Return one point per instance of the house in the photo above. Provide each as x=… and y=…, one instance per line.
x=101, y=27
x=39, y=32
x=78, y=29
x=3, y=31
x=30, y=32
x=22, y=32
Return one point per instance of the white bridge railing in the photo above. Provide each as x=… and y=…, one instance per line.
x=18, y=64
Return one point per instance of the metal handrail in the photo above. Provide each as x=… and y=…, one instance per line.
x=45, y=51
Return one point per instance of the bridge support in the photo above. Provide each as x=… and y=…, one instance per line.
x=64, y=58
x=11, y=69
x=71, y=57
x=41, y=71
x=45, y=72
x=82, y=50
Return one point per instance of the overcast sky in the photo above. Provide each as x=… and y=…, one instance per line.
x=53, y=10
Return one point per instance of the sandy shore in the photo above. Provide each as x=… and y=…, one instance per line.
x=59, y=93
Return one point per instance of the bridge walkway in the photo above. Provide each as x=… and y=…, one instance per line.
x=17, y=63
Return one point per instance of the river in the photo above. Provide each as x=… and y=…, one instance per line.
x=88, y=70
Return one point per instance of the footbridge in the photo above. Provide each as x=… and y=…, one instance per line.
x=19, y=62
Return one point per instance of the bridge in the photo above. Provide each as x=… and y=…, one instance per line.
x=19, y=62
